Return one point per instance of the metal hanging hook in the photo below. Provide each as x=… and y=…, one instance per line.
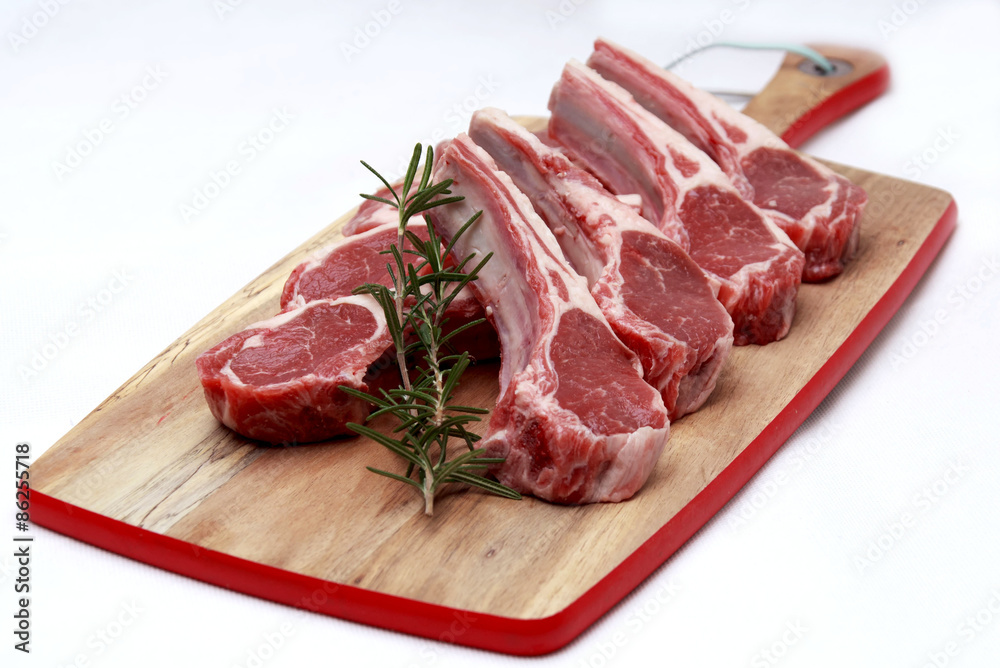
x=821, y=62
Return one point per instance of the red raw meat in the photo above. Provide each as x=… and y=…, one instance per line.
x=686, y=195
x=336, y=270
x=818, y=209
x=281, y=386
x=574, y=419
x=278, y=380
x=657, y=299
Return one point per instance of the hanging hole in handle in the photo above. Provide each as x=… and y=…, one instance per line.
x=840, y=68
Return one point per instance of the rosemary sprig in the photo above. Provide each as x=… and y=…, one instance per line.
x=423, y=285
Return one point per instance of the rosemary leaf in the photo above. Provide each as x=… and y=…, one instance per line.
x=391, y=444
x=411, y=171
x=394, y=476
x=486, y=484
x=378, y=199
x=381, y=178
x=428, y=165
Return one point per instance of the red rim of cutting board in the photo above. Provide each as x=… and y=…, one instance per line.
x=528, y=637
x=839, y=104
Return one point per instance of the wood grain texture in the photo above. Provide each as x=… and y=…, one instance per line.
x=153, y=456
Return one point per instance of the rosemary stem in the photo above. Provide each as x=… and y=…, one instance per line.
x=438, y=387
x=400, y=298
x=429, y=492
x=433, y=351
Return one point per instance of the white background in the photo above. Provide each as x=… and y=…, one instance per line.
x=796, y=549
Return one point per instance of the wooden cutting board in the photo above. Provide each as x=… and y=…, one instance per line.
x=151, y=475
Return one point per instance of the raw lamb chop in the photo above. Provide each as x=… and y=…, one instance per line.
x=336, y=270
x=818, y=209
x=657, y=300
x=372, y=214
x=278, y=380
x=574, y=419
x=686, y=195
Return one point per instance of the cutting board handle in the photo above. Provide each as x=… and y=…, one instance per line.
x=800, y=99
